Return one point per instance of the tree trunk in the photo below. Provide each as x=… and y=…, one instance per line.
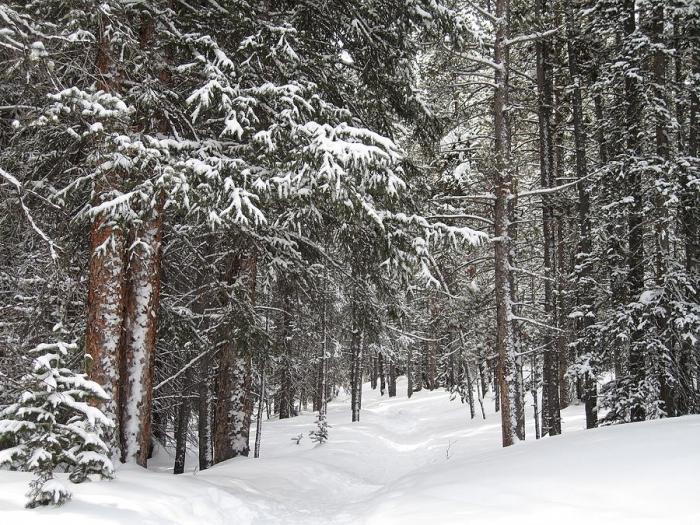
x=206, y=458
x=418, y=367
x=669, y=362
x=482, y=375
x=286, y=394
x=533, y=394
x=106, y=280
x=105, y=314
x=550, y=362
x=562, y=308
x=382, y=375
x=181, y=427
x=373, y=370
x=242, y=402
x=691, y=201
x=140, y=330
x=261, y=404
x=505, y=337
x=467, y=376
x=691, y=213
x=223, y=449
x=496, y=388
x=356, y=348
x=409, y=371
x=392, y=378
x=635, y=223
x=234, y=403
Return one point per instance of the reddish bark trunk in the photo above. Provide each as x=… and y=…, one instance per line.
x=105, y=312
x=106, y=276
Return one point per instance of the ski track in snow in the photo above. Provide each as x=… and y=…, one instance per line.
x=417, y=460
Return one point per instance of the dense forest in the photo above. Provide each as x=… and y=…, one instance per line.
x=216, y=212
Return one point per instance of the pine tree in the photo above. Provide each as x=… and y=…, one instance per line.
x=320, y=434
x=53, y=426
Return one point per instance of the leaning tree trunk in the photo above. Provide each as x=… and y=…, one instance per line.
x=140, y=327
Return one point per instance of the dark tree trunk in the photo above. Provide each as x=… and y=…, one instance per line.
x=635, y=223
x=409, y=371
x=286, y=393
x=691, y=217
x=550, y=362
x=417, y=363
x=261, y=404
x=382, y=375
x=356, y=350
x=468, y=384
x=181, y=426
x=234, y=403
x=392, y=378
x=483, y=376
x=691, y=201
x=668, y=375
x=374, y=370
x=496, y=389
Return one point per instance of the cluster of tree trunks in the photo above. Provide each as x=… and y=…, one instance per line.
x=123, y=294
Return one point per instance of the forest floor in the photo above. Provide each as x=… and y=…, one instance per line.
x=409, y=461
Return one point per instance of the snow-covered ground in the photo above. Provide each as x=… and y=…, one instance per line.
x=418, y=460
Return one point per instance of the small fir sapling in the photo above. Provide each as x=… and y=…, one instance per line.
x=320, y=435
x=53, y=428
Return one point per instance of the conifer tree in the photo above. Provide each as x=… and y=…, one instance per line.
x=53, y=426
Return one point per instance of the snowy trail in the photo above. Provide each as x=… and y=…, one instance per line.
x=408, y=461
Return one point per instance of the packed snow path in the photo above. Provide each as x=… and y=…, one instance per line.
x=418, y=460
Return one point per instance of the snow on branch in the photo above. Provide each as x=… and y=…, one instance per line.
x=532, y=36
x=18, y=186
x=536, y=323
x=460, y=216
x=555, y=189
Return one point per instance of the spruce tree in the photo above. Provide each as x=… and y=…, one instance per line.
x=53, y=427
